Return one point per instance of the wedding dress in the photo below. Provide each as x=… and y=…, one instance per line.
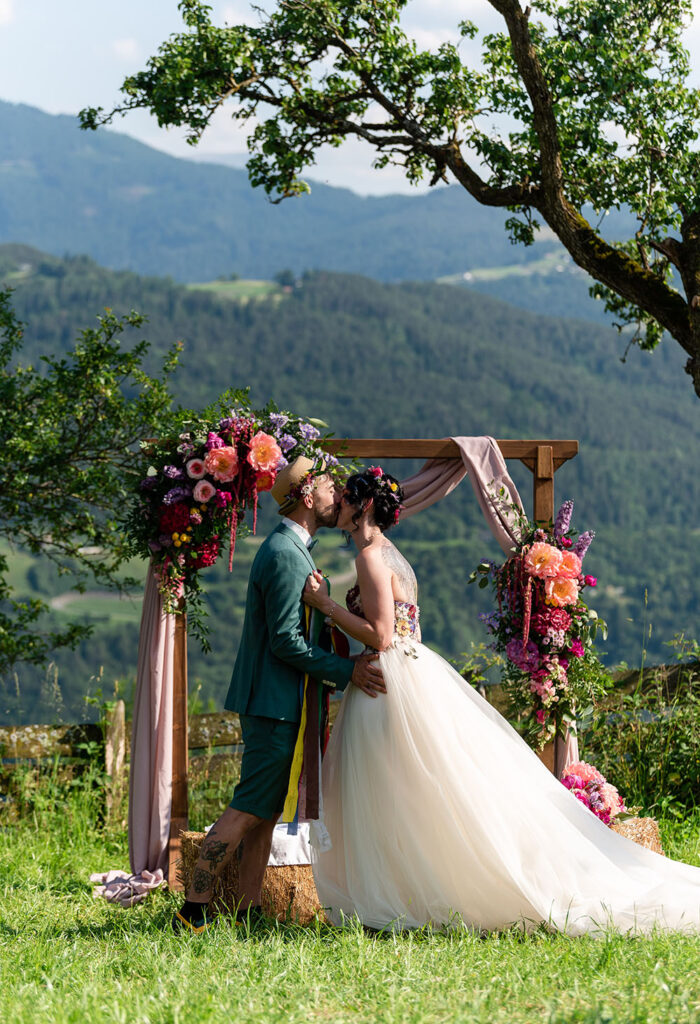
x=438, y=812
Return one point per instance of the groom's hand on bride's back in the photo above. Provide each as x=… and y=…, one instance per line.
x=367, y=675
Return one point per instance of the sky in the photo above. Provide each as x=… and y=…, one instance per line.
x=63, y=55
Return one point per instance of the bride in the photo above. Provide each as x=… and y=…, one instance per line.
x=438, y=811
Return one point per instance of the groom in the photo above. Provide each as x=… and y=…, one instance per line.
x=273, y=657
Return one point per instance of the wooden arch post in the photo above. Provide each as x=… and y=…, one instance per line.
x=542, y=458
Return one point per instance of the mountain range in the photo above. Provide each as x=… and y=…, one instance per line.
x=128, y=206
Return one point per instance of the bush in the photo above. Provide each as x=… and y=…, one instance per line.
x=647, y=741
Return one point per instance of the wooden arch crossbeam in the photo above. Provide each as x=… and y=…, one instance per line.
x=542, y=458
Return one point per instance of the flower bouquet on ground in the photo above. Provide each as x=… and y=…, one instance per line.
x=543, y=628
x=195, y=489
x=590, y=787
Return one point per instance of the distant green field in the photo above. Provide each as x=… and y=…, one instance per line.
x=553, y=262
x=241, y=290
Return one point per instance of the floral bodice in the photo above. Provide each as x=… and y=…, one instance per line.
x=406, y=614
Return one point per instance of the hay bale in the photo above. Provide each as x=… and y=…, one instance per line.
x=644, y=831
x=288, y=892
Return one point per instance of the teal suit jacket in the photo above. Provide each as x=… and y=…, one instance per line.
x=274, y=656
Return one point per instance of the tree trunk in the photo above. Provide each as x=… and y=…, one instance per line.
x=690, y=273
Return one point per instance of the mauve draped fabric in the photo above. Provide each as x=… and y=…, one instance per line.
x=483, y=462
x=151, y=772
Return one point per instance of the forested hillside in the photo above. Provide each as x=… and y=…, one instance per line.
x=129, y=206
x=412, y=360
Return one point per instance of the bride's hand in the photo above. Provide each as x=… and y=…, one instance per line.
x=316, y=593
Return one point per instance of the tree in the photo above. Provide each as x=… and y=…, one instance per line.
x=68, y=435
x=594, y=96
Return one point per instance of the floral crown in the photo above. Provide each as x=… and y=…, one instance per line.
x=388, y=487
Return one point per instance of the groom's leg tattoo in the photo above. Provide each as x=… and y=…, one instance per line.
x=202, y=880
x=214, y=852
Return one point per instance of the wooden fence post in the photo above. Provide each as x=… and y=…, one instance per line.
x=115, y=755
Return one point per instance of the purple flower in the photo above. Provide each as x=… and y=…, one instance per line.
x=185, y=449
x=287, y=442
x=173, y=472
x=278, y=420
x=165, y=540
x=491, y=621
x=176, y=494
x=148, y=483
x=226, y=423
x=583, y=543
x=308, y=432
x=526, y=660
x=214, y=441
x=154, y=546
x=563, y=520
x=331, y=460
x=281, y=462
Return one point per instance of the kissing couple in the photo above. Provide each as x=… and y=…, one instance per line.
x=438, y=812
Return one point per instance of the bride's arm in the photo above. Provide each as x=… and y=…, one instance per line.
x=376, y=629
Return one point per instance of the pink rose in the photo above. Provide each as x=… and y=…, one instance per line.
x=195, y=469
x=566, y=542
x=203, y=491
x=584, y=771
x=590, y=581
x=222, y=463
x=561, y=591
x=570, y=565
x=264, y=453
x=543, y=560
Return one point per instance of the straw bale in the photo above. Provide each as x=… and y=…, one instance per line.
x=644, y=831
x=288, y=892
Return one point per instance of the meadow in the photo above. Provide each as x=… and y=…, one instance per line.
x=67, y=957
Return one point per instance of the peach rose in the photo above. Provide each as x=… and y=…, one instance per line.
x=264, y=452
x=265, y=480
x=560, y=591
x=570, y=565
x=222, y=463
x=543, y=560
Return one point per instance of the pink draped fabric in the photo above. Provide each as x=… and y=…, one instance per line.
x=496, y=493
x=488, y=475
x=151, y=772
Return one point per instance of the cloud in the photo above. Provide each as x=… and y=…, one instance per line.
x=7, y=12
x=125, y=49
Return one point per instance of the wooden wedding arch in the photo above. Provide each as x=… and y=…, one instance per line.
x=542, y=458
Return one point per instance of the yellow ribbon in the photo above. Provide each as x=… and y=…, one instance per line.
x=292, y=798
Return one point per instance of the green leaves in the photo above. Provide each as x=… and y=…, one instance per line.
x=69, y=431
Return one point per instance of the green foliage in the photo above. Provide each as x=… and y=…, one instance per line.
x=68, y=432
x=648, y=740
x=595, y=106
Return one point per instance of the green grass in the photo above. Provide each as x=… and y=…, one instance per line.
x=65, y=957
x=546, y=265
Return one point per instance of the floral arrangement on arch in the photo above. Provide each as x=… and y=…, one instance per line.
x=195, y=490
x=543, y=630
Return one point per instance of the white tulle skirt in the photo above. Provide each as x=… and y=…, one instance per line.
x=439, y=813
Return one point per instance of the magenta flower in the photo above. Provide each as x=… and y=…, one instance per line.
x=590, y=581
x=576, y=649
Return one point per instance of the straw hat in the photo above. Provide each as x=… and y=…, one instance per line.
x=286, y=489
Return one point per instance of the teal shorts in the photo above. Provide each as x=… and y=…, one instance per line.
x=268, y=751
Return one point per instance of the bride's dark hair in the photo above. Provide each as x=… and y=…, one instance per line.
x=383, y=489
